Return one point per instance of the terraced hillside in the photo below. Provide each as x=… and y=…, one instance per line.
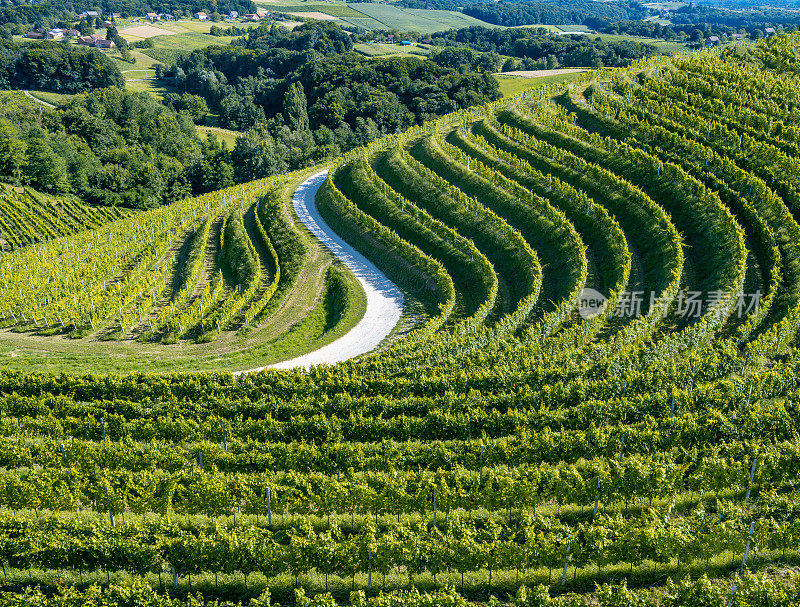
x=28, y=217
x=603, y=385
x=226, y=279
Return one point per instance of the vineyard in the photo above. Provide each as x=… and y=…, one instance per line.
x=207, y=283
x=28, y=217
x=597, y=403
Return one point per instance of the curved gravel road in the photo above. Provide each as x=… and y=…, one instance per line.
x=384, y=299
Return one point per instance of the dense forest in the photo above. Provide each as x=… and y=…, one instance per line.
x=626, y=17
x=537, y=49
x=695, y=31
x=49, y=66
x=303, y=95
x=110, y=147
x=533, y=13
x=693, y=14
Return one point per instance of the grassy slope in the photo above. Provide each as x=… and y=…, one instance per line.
x=295, y=328
x=228, y=136
x=510, y=85
x=668, y=47
x=51, y=98
x=390, y=50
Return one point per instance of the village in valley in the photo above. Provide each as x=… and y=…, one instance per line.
x=123, y=24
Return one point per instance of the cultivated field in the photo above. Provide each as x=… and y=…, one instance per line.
x=315, y=15
x=144, y=31
x=388, y=16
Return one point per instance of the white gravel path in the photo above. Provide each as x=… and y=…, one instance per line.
x=28, y=94
x=384, y=299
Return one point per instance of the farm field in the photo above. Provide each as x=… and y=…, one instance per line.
x=515, y=83
x=386, y=50
x=668, y=47
x=405, y=19
x=332, y=9
x=169, y=39
x=593, y=401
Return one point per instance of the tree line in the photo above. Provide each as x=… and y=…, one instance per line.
x=537, y=49
x=110, y=147
x=48, y=66
x=575, y=12
x=301, y=96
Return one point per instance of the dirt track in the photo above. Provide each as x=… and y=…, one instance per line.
x=543, y=73
x=384, y=299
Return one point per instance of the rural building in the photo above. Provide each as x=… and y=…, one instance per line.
x=770, y=31
x=115, y=15
x=152, y=16
x=233, y=14
x=712, y=41
x=107, y=24
x=55, y=34
x=250, y=17
x=95, y=40
x=201, y=15
x=34, y=35
x=73, y=33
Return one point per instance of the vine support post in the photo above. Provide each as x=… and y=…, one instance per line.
x=566, y=564
x=269, y=508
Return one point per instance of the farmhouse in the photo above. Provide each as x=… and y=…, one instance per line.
x=152, y=16
x=712, y=41
x=34, y=35
x=201, y=15
x=107, y=24
x=55, y=34
x=95, y=40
